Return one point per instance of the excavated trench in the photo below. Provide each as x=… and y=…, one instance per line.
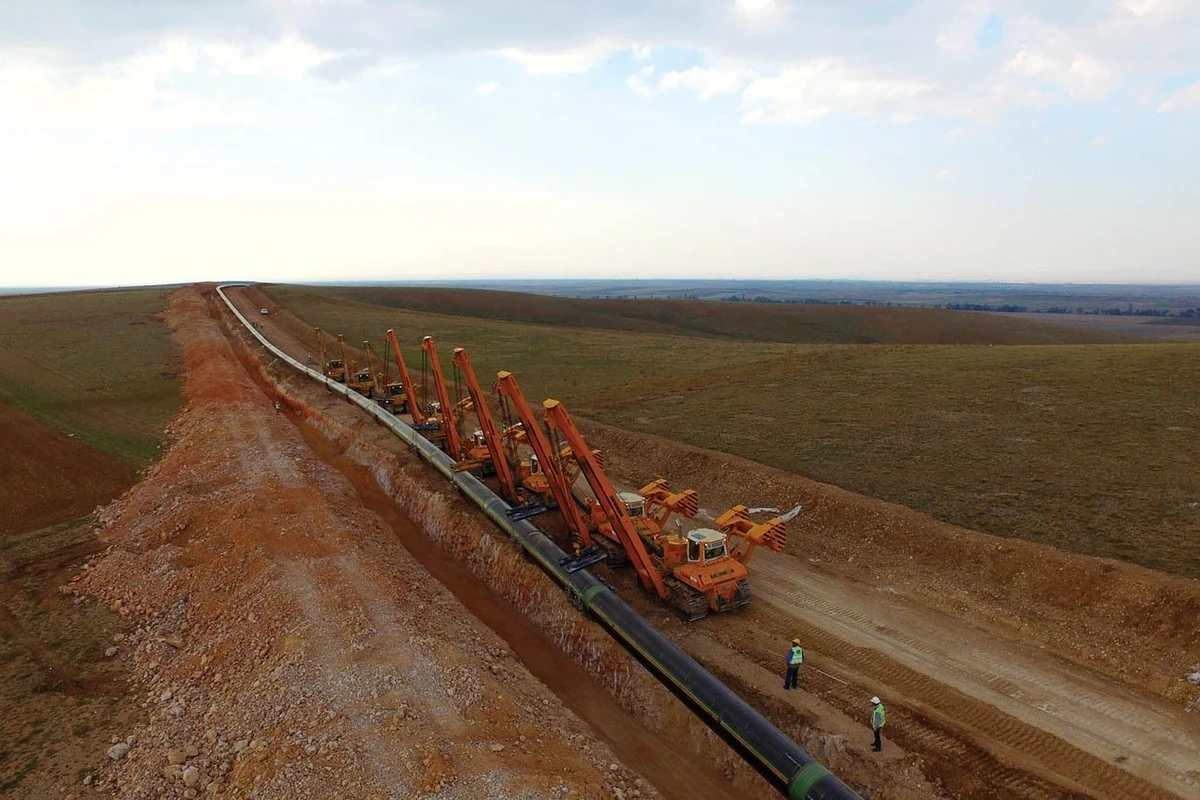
x=681, y=772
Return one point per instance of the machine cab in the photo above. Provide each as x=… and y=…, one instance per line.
x=705, y=544
x=477, y=439
x=635, y=504
x=395, y=388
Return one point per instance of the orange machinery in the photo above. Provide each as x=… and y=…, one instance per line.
x=695, y=571
x=447, y=424
x=486, y=445
x=334, y=367
x=551, y=483
x=394, y=390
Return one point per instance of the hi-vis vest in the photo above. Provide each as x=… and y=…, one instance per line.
x=795, y=656
x=878, y=716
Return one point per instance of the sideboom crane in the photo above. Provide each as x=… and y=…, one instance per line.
x=449, y=427
x=410, y=397
x=491, y=434
x=507, y=388
x=558, y=419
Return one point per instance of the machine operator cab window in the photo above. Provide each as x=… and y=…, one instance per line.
x=705, y=544
x=477, y=439
x=333, y=364
x=635, y=504
x=534, y=466
x=395, y=388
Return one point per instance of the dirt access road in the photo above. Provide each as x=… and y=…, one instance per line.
x=990, y=696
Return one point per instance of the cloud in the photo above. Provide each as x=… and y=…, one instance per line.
x=638, y=82
x=991, y=58
x=1102, y=141
x=946, y=175
x=708, y=82
x=562, y=62
x=1084, y=77
x=487, y=88
x=346, y=67
x=808, y=92
x=172, y=85
x=1140, y=8
x=758, y=14
x=1186, y=99
x=955, y=134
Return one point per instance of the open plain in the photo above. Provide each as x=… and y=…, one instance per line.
x=305, y=610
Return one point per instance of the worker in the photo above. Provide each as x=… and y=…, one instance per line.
x=795, y=657
x=878, y=718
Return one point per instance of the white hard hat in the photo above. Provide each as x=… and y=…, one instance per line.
x=875, y=701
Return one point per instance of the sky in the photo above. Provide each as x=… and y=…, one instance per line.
x=163, y=141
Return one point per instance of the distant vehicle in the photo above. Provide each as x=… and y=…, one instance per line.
x=263, y=311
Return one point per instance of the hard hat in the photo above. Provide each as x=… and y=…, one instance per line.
x=874, y=701
x=795, y=641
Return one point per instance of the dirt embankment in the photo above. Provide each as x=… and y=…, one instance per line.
x=286, y=643
x=1122, y=620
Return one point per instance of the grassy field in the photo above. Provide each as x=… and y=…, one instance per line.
x=1089, y=448
x=99, y=366
x=60, y=697
x=809, y=324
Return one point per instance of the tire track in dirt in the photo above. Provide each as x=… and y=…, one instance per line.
x=1001, y=752
x=1083, y=713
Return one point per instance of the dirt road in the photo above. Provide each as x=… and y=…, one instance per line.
x=988, y=697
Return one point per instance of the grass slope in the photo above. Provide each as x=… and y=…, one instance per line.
x=815, y=324
x=1092, y=449
x=100, y=366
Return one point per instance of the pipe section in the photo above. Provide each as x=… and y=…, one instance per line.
x=787, y=766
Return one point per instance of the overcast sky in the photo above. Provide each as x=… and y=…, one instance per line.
x=154, y=141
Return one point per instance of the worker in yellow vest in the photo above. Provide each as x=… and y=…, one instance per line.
x=878, y=718
x=795, y=657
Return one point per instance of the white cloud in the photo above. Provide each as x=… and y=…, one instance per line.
x=707, y=82
x=639, y=83
x=173, y=85
x=1084, y=78
x=1033, y=65
x=1140, y=8
x=808, y=92
x=1187, y=98
x=946, y=175
x=1103, y=140
x=487, y=88
x=759, y=13
x=564, y=62
x=640, y=52
x=287, y=58
x=955, y=134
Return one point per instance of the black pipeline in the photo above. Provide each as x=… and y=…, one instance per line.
x=787, y=766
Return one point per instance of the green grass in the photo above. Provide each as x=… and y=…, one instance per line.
x=813, y=324
x=99, y=365
x=1089, y=448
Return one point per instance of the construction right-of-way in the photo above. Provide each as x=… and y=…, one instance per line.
x=979, y=706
